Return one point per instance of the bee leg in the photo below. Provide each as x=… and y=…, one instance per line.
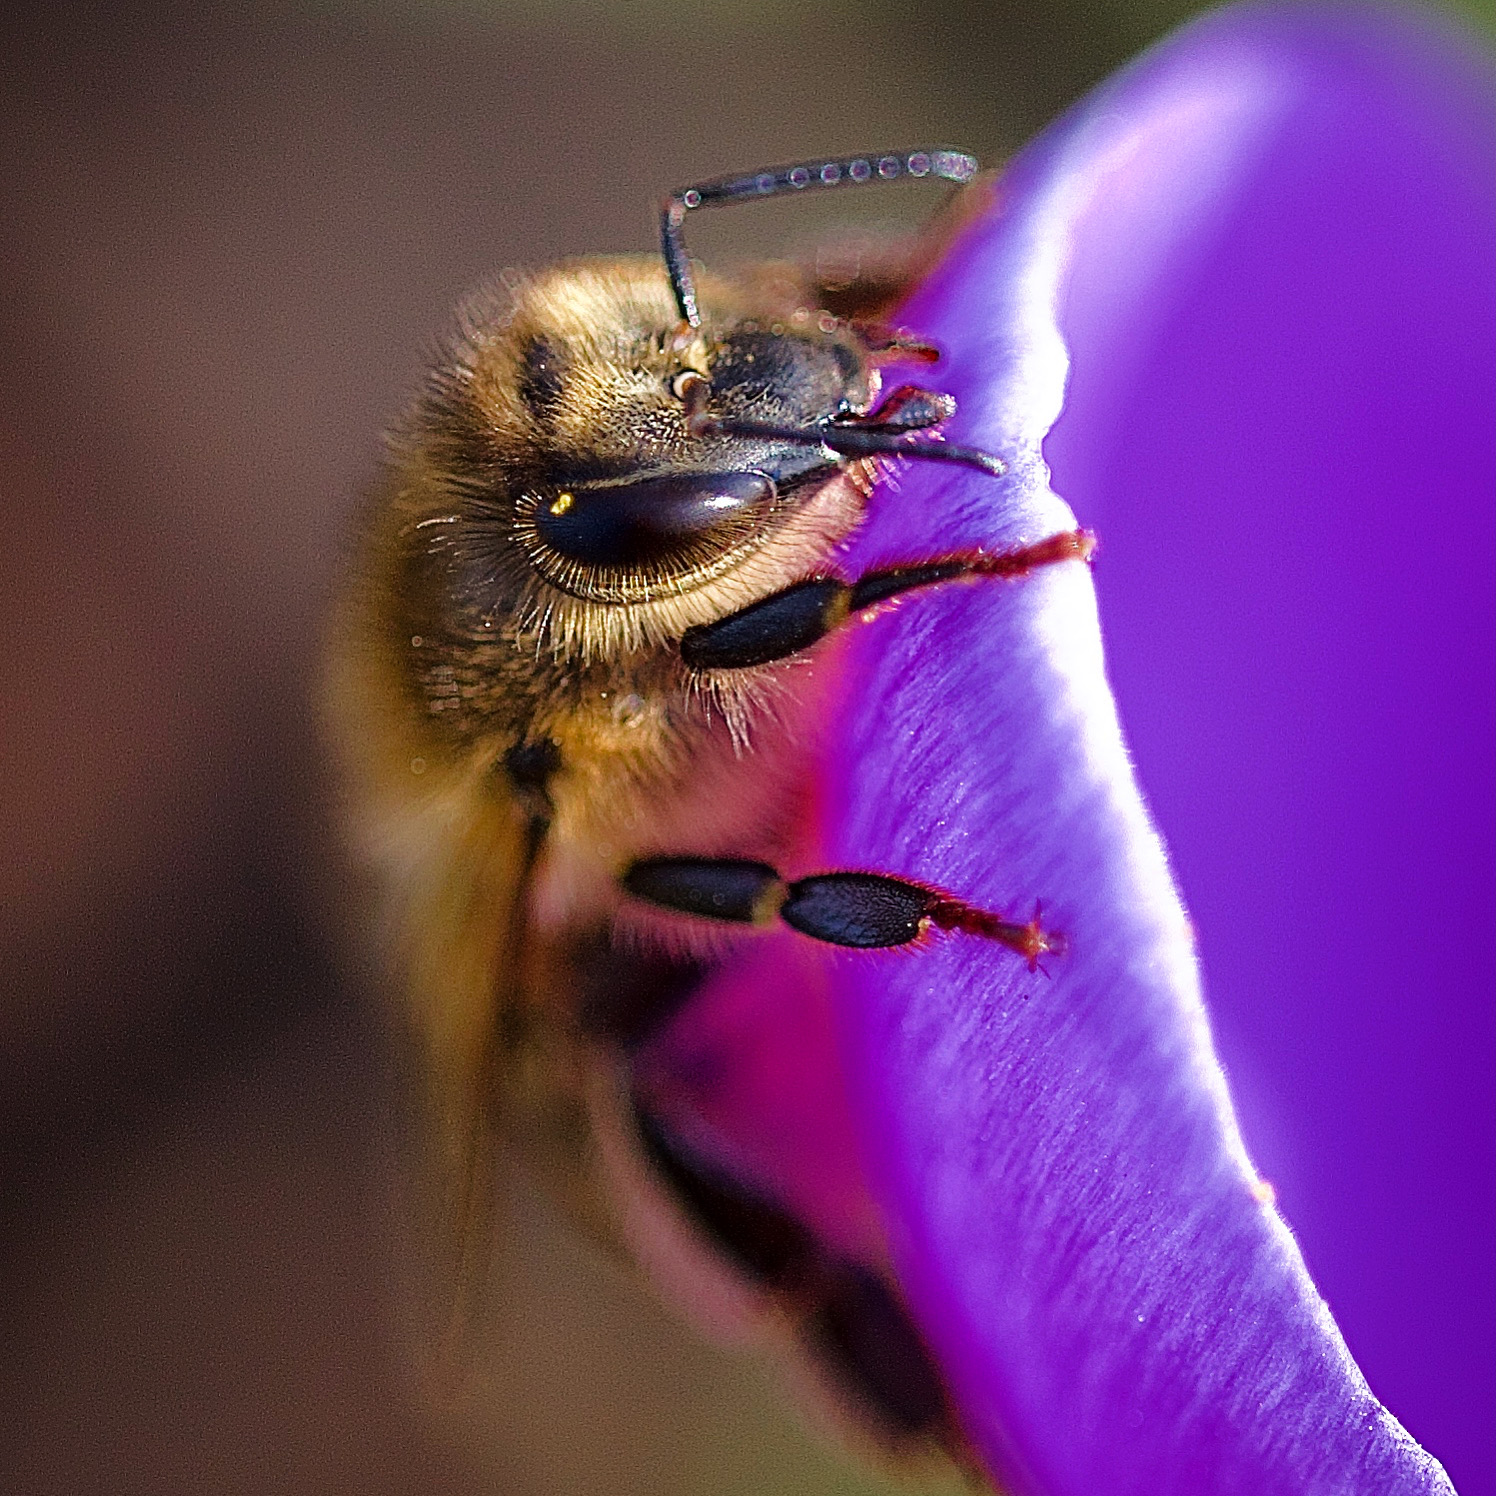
x=863, y=911
x=849, y=1317
x=627, y=997
x=908, y=408
x=789, y=621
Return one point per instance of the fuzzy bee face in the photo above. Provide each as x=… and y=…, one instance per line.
x=552, y=502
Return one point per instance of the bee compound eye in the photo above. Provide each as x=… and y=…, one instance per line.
x=668, y=522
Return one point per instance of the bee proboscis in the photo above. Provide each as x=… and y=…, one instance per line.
x=604, y=539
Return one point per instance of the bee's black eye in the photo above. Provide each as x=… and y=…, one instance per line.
x=657, y=527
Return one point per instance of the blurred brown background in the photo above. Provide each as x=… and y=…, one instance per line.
x=228, y=234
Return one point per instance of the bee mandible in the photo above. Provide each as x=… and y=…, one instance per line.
x=569, y=696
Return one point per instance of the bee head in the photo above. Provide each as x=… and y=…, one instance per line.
x=639, y=459
x=584, y=479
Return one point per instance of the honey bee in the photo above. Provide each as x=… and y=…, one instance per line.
x=569, y=695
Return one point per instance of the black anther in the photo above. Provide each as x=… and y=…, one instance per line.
x=864, y=911
x=796, y=617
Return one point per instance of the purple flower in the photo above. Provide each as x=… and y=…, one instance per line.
x=1262, y=258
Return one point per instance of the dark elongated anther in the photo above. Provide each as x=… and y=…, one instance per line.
x=878, y=586
x=779, y=625
x=855, y=441
x=870, y=910
x=747, y=893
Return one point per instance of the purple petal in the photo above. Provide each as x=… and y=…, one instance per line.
x=1290, y=450
x=1074, y=1217
x=1073, y=1214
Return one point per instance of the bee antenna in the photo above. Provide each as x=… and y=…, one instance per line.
x=843, y=171
x=848, y=441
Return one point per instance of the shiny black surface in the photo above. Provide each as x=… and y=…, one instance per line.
x=643, y=521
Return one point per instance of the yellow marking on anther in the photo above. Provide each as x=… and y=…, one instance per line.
x=563, y=502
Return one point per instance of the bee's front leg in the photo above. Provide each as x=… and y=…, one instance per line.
x=793, y=619
x=857, y=909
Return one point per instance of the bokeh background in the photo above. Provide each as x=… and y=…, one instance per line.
x=228, y=235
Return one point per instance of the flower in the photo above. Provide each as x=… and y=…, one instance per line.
x=1074, y=1218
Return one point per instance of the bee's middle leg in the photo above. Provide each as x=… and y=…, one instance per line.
x=793, y=619
x=864, y=911
x=858, y=909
